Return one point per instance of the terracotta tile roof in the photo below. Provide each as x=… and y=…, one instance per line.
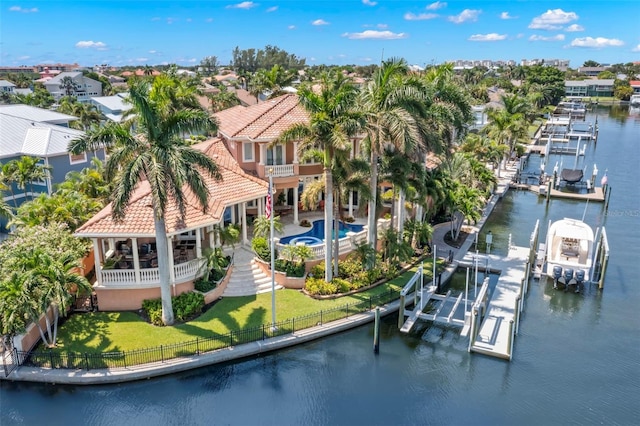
x=264, y=121
x=235, y=187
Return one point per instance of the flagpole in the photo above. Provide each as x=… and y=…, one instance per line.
x=273, y=255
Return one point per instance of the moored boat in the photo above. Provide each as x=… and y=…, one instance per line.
x=569, y=253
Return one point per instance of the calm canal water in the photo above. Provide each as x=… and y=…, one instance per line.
x=577, y=357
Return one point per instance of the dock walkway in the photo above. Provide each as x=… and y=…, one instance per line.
x=494, y=336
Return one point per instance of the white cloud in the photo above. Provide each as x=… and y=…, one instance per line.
x=23, y=10
x=466, y=15
x=91, y=45
x=244, y=5
x=552, y=20
x=155, y=18
x=419, y=17
x=291, y=27
x=487, y=37
x=192, y=60
x=23, y=58
x=536, y=37
x=382, y=26
x=574, y=28
x=505, y=15
x=369, y=2
x=272, y=9
x=437, y=5
x=142, y=59
x=171, y=20
x=636, y=49
x=376, y=35
x=596, y=42
x=319, y=22
x=153, y=52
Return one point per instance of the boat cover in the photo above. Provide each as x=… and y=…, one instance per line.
x=571, y=175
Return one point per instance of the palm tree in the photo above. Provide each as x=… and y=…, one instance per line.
x=156, y=153
x=14, y=304
x=272, y=81
x=262, y=226
x=331, y=123
x=28, y=170
x=69, y=86
x=391, y=106
x=224, y=99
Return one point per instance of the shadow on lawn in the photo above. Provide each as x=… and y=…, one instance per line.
x=80, y=329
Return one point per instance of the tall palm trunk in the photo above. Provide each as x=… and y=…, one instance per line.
x=336, y=236
x=372, y=232
x=162, y=245
x=401, y=209
x=328, y=217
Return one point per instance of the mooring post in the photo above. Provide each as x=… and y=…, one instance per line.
x=376, y=332
x=401, y=312
x=603, y=269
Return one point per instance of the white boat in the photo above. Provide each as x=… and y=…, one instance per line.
x=569, y=253
x=634, y=101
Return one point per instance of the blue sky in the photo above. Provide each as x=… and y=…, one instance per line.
x=324, y=32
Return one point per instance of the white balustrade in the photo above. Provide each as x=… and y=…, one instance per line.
x=150, y=276
x=281, y=170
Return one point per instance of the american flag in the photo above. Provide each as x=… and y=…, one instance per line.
x=267, y=209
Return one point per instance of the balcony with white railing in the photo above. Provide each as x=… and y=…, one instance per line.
x=150, y=277
x=280, y=170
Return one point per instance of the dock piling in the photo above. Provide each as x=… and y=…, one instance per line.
x=376, y=332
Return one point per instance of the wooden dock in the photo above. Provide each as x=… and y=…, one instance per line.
x=496, y=331
x=594, y=194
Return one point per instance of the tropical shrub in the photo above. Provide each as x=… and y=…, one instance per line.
x=185, y=306
x=319, y=286
x=261, y=248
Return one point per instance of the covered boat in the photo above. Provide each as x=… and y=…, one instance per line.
x=571, y=175
x=569, y=253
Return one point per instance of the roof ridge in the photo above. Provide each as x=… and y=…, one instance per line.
x=285, y=112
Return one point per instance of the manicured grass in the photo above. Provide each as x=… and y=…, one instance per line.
x=124, y=331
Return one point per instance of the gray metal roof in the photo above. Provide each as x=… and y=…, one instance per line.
x=112, y=103
x=22, y=136
x=36, y=114
x=58, y=78
x=5, y=83
x=583, y=83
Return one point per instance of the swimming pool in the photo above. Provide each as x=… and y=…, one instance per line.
x=316, y=234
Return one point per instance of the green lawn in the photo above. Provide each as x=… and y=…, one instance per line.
x=124, y=331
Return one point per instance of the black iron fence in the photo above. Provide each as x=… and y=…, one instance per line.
x=201, y=345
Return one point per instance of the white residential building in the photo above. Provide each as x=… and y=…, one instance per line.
x=84, y=89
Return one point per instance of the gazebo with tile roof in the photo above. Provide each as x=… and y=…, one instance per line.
x=135, y=276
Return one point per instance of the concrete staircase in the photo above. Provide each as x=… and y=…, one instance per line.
x=247, y=278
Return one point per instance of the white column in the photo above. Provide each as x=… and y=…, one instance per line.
x=263, y=153
x=295, y=205
x=350, y=203
x=198, y=242
x=172, y=272
x=212, y=236
x=245, y=225
x=136, y=259
x=233, y=214
x=260, y=207
x=295, y=153
x=97, y=258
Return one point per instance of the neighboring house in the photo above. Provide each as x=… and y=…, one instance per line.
x=589, y=88
x=40, y=133
x=635, y=85
x=85, y=86
x=126, y=264
x=592, y=71
x=248, y=132
x=112, y=107
x=7, y=87
x=480, y=118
